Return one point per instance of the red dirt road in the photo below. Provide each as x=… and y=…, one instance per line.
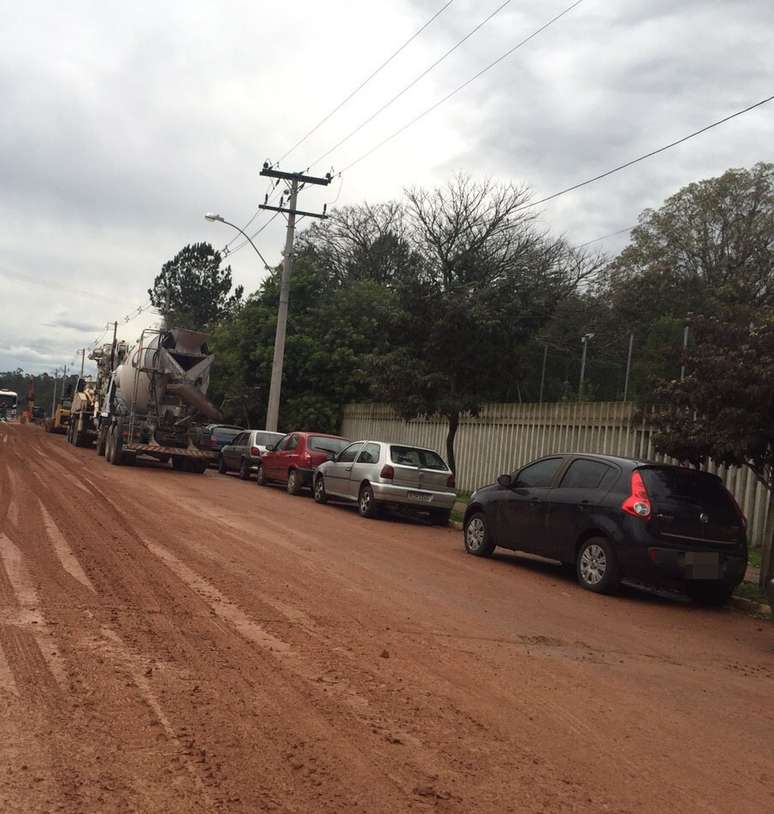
x=173, y=642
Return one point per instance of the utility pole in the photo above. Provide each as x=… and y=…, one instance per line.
x=628, y=366
x=53, y=398
x=113, y=347
x=297, y=181
x=83, y=360
x=585, y=342
x=685, y=348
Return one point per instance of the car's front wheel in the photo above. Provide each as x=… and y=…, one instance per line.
x=597, y=566
x=478, y=540
x=260, y=476
x=320, y=495
x=713, y=594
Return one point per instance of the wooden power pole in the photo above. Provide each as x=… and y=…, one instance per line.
x=297, y=181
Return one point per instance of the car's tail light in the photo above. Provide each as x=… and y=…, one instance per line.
x=450, y=482
x=638, y=503
x=388, y=473
x=255, y=452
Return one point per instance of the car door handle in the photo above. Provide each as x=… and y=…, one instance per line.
x=347, y=468
x=535, y=500
x=584, y=504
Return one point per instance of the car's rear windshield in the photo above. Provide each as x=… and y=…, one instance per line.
x=323, y=444
x=670, y=484
x=413, y=456
x=267, y=439
x=225, y=434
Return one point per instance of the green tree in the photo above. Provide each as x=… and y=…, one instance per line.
x=487, y=281
x=193, y=291
x=724, y=408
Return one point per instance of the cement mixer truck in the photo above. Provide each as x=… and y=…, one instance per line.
x=157, y=402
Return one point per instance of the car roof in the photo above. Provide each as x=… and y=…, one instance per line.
x=395, y=444
x=616, y=459
x=307, y=433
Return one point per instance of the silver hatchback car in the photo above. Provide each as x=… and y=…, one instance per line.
x=377, y=474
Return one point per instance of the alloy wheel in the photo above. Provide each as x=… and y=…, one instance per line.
x=593, y=564
x=475, y=534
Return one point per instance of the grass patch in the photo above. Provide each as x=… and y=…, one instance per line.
x=754, y=557
x=751, y=591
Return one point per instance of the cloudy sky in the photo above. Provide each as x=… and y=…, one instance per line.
x=122, y=123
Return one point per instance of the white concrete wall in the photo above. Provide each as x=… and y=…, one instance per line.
x=505, y=436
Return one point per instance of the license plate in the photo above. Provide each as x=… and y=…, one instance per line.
x=703, y=564
x=419, y=497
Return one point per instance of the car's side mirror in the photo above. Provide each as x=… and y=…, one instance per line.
x=506, y=481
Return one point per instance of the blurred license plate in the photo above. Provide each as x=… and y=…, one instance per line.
x=420, y=497
x=704, y=564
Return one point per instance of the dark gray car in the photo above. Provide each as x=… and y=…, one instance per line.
x=244, y=452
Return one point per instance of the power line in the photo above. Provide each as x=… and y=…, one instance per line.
x=228, y=252
x=272, y=190
x=605, y=237
x=462, y=86
x=412, y=83
x=646, y=155
x=366, y=81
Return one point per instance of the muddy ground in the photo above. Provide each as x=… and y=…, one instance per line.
x=173, y=642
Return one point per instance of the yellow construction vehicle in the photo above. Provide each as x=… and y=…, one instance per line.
x=60, y=420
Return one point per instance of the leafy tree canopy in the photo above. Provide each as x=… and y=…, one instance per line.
x=193, y=291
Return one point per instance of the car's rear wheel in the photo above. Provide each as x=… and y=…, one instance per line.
x=478, y=540
x=597, y=566
x=713, y=594
x=294, y=482
x=260, y=477
x=320, y=495
x=222, y=468
x=244, y=470
x=366, y=503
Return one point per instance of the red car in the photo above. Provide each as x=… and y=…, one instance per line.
x=295, y=457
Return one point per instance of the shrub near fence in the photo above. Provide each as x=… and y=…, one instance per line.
x=505, y=436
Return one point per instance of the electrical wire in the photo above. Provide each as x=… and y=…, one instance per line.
x=270, y=193
x=605, y=237
x=366, y=81
x=413, y=82
x=646, y=155
x=462, y=86
x=252, y=237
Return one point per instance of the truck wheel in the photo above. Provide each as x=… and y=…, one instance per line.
x=117, y=446
x=101, y=440
x=295, y=482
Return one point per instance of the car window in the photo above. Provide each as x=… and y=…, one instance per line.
x=540, y=473
x=323, y=444
x=413, y=456
x=267, y=439
x=349, y=454
x=584, y=474
x=285, y=441
x=700, y=489
x=292, y=443
x=369, y=455
x=225, y=435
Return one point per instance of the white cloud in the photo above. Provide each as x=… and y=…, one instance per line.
x=123, y=123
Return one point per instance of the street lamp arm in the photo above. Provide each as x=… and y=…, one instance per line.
x=247, y=237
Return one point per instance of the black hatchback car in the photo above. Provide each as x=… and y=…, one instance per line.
x=616, y=518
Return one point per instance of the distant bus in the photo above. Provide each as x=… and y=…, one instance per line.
x=8, y=403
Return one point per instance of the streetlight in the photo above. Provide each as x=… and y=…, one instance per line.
x=279, y=339
x=211, y=216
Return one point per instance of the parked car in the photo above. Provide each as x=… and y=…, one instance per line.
x=616, y=518
x=216, y=436
x=293, y=460
x=245, y=451
x=377, y=474
x=770, y=592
